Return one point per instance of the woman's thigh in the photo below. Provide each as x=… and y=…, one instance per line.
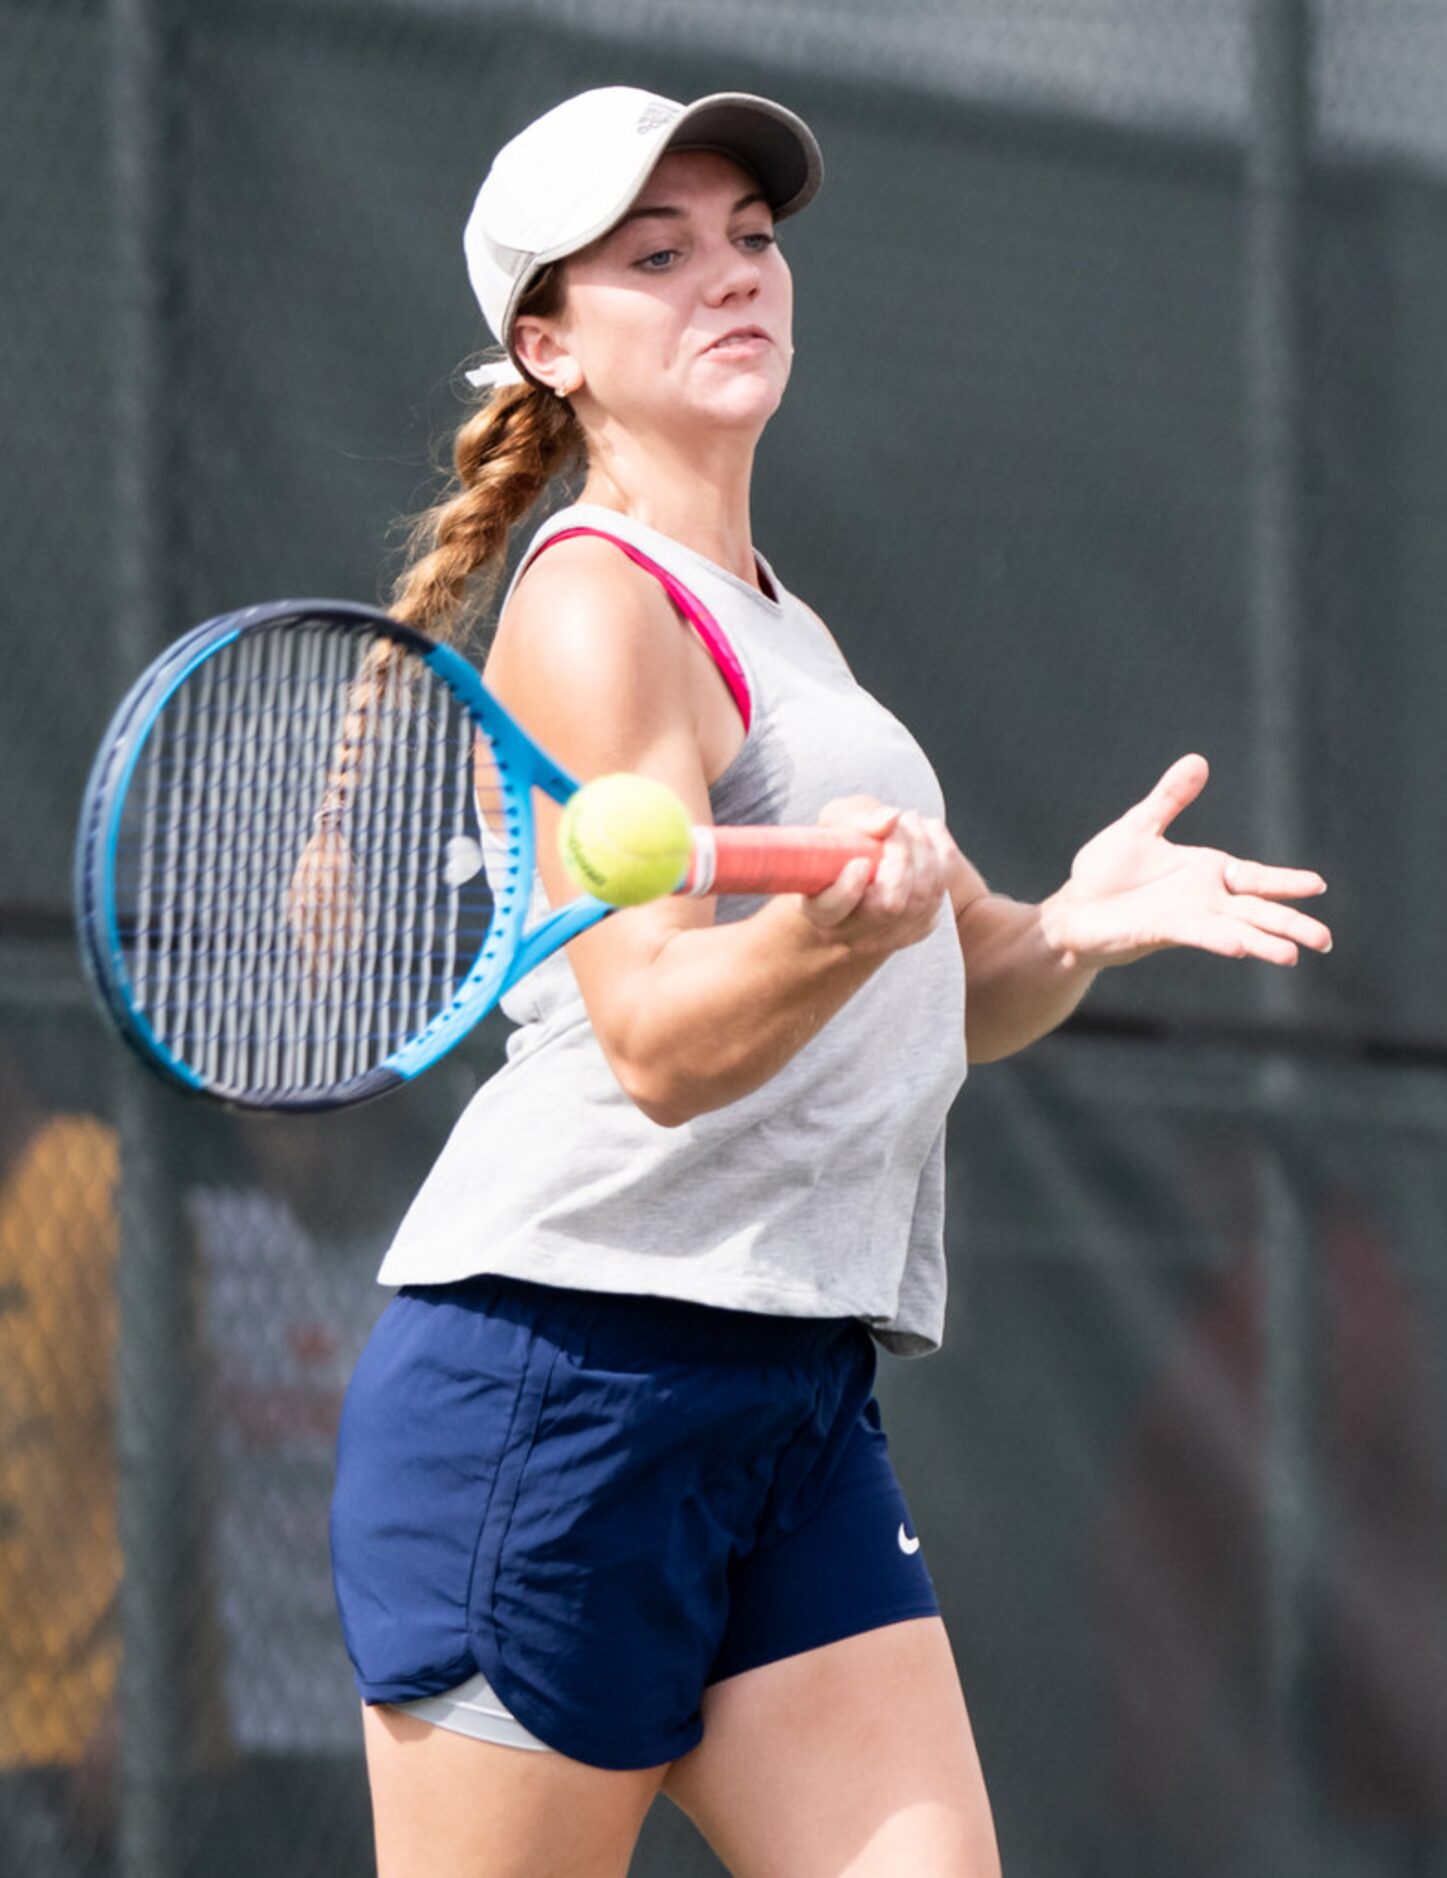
x=443, y=1802
x=855, y=1758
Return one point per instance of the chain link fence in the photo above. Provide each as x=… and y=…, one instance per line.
x=1114, y=434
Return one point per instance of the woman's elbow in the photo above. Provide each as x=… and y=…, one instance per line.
x=670, y=1094
x=667, y=1099
x=674, y=1077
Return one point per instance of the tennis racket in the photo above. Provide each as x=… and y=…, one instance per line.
x=305, y=861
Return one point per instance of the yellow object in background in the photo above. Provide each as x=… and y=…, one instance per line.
x=60, y=1562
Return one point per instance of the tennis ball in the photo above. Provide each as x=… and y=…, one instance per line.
x=626, y=839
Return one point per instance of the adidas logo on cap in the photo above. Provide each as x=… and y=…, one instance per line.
x=654, y=116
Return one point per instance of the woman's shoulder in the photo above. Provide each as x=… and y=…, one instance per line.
x=583, y=591
x=585, y=625
x=579, y=535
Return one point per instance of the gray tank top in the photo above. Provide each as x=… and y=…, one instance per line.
x=821, y=1194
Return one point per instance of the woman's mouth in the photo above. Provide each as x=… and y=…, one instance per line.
x=742, y=343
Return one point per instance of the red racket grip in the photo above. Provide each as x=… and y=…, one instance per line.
x=773, y=860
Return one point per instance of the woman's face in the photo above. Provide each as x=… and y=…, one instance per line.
x=683, y=313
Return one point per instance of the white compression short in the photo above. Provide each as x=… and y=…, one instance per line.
x=474, y=1708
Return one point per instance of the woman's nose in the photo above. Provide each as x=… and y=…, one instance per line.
x=734, y=273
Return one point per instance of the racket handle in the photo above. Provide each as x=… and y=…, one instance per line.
x=773, y=860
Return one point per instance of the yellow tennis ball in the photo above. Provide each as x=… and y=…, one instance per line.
x=626, y=839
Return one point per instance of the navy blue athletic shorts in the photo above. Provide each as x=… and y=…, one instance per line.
x=605, y=1502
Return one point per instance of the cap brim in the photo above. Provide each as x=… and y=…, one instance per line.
x=771, y=142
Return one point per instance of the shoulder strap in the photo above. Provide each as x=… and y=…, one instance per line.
x=691, y=607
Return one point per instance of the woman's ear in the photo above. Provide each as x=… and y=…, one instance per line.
x=545, y=356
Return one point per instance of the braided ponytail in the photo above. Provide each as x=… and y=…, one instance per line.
x=504, y=456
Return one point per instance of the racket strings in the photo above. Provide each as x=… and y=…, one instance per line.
x=291, y=908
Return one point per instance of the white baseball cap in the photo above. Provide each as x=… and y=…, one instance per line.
x=572, y=174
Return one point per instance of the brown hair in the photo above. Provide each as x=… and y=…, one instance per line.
x=504, y=456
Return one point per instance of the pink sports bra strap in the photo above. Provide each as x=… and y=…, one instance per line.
x=692, y=609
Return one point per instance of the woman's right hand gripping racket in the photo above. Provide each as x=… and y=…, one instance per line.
x=306, y=856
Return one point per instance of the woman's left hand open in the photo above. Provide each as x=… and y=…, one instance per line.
x=1132, y=892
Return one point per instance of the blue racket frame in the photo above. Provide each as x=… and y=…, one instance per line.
x=509, y=951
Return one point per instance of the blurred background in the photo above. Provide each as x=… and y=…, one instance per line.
x=1116, y=432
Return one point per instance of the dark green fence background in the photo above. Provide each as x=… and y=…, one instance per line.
x=1117, y=431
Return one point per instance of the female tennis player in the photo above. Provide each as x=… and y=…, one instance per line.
x=615, y=1511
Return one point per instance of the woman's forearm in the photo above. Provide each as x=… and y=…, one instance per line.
x=1020, y=980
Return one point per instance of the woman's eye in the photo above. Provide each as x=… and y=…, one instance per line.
x=759, y=241
x=658, y=261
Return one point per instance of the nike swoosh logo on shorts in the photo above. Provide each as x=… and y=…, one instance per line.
x=907, y=1544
